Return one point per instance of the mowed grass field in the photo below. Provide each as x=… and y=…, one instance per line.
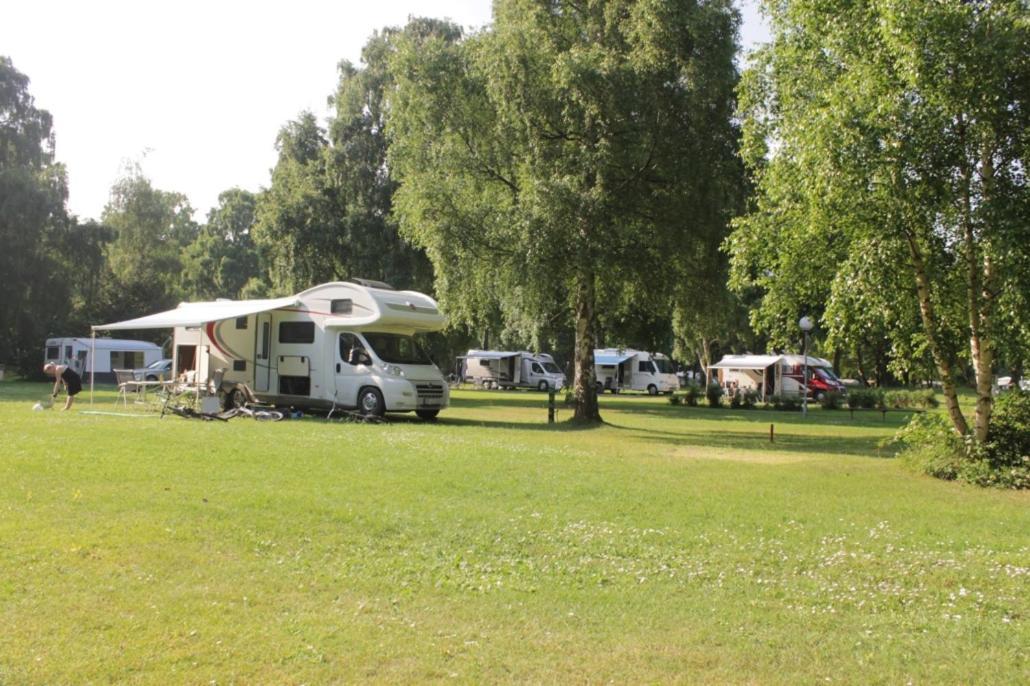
x=672, y=545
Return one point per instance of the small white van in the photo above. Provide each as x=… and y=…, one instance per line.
x=502, y=369
x=625, y=369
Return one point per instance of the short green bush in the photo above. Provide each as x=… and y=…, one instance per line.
x=831, y=400
x=736, y=399
x=714, y=393
x=787, y=403
x=675, y=399
x=931, y=445
x=864, y=398
x=750, y=398
x=1006, y=452
x=692, y=396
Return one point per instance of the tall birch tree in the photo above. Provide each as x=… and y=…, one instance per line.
x=569, y=155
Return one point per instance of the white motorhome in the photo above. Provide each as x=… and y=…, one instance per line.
x=340, y=344
x=776, y=375
x=502, y=369
x=110, y=354
x=625, y=369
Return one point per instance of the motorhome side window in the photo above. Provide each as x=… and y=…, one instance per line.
x=644, y=366
x=537, y=369
x=350, y=346
x=296, y=332
x=344, y=306
x=484, y=363
x=52, y=352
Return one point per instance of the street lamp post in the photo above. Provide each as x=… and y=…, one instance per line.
x=806, y=325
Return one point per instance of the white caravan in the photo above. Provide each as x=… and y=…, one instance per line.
x=501, y=369
x=777, y=375
x=340, y=344
x=110, y=354
x=625, y=369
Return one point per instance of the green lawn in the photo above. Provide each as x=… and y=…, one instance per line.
x=674, y=545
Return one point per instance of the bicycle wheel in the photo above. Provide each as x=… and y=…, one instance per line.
x=268, y=415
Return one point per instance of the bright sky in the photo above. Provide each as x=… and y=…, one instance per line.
x=196, y=91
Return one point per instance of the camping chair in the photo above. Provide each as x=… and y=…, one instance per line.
x=126, y=381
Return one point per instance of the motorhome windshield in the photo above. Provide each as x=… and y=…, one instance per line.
x=664, y=366
x=551, y=368
x=396, y=348
x=825, y=373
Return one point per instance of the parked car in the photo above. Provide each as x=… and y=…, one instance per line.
x=162, y=369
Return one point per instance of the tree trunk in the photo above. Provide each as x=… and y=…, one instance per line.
x=585, y=387
x=940, y=356
x=979, y=274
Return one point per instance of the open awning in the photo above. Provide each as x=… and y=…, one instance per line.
x=490, y=354
x=746, y=362
x=200, y=313
x=612, y=358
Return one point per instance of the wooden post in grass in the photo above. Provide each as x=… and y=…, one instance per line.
x=550, y=405
x=772, y=435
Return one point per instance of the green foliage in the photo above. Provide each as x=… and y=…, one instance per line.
x=714, y=394
x=675, y=399
x=930, y=445
x=223, y=259
x=1006, y=452
x=47, y=260
x=548, y=162
x=692, y=395
x=888, y=144
x=786, y=403
x=831, y=400
x=864, y=398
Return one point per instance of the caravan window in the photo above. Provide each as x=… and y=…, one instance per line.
x=67, y=352
x=484, y=363
x=296, y=332
x=126, y=359
x=52, y=352
x=241, y=322
x=645, y=366
x=343, y=306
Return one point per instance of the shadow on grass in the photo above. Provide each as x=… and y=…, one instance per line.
x=759, y=440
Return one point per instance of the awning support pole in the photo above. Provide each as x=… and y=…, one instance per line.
x=92, y=361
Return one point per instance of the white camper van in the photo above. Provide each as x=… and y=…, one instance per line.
x=501, y=369
x=625, y=369
x=111, y=354
x=340, y=344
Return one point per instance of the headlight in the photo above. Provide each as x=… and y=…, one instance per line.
x=392, y=369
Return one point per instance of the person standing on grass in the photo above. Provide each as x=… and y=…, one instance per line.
x=62, y=373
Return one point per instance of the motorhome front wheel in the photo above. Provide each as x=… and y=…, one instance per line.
x=371, y=402
x=543, y=386
x=652, y=390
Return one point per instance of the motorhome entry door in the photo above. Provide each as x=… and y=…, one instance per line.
x=263, y=352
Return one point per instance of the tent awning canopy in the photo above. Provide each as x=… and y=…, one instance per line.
x=200, y=313
x=613, y=358
x=491, y=354
x=746, y=361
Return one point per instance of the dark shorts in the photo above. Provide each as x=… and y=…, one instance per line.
x=72, y=381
